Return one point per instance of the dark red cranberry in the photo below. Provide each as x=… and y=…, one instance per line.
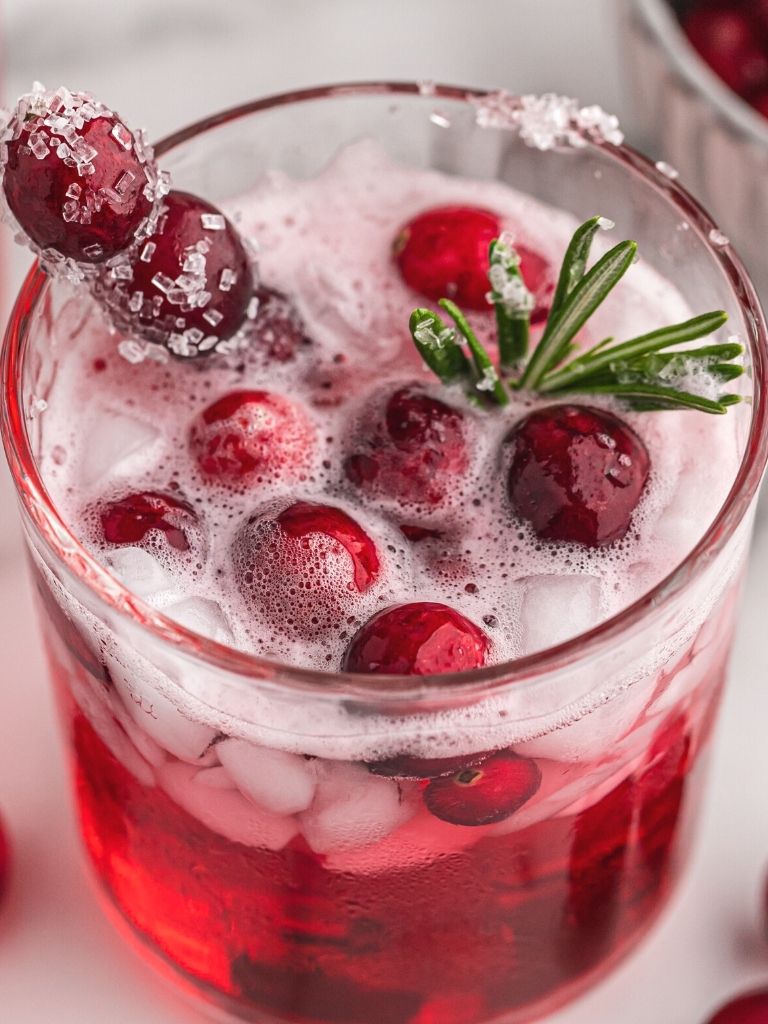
x=443, y=253
x=747, y=1009
x=760, y=102
x=250, y=434
x=130, y=519
x=420, y=639
x=418, y=533
x=406, y=767
x=278, y=331
x=76, y=179
x=484, y=793
x=576, y=474
x=727, y=41
x=413, y=453
x=189, y=286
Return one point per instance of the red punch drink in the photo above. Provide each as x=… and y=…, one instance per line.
x=389, y=605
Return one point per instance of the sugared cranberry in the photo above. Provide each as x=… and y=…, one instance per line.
x=77, y=180
x=252, y=434
x=406, y=767
x=189, y=286
x=277, y=331
x=130, y=519
x=727, y=41
x=443, y=253
x=304, y=565
x=413, y=453
x=484, y=793
x=420, y=639
x=576, y=474
x=748, y=1009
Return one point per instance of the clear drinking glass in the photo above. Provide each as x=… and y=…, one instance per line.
x=413, y=921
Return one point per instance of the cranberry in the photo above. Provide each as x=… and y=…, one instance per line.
x=248, y=434
x=413, y=453
x=189, y=286
x=415, y=534
x=725, y=39
x=443, y=253
x=576, y=474
x=748, y=1009
x=278, y=331
x=760, y=102
x=420, y=639
x=77, y=180
x=484, y=793
x=406, y=767
x=304, y=564
x=130, y=519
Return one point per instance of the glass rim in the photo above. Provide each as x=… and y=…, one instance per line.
x=64, y=545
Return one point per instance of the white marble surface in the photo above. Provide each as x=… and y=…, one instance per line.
x=163, y=64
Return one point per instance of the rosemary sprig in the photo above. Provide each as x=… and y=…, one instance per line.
x=648, y=372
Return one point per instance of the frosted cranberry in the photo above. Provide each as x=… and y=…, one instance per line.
x=189, y=286
x=251, y=434
x=406, y=767
x=413, y=453
x=484, y=793
x=748, y=1009
x=420, y=639
x=725, y=39
x=443, y=253
x=576, y=474
x=75, y=177
x=278, y=331
x=130, y=519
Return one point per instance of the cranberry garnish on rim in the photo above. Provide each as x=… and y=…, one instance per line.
x=419, y=639
x=81, y=185
x=304, y=564
x=128, y=520
x=748, y=1009
x=484, y=793
x=188, y=287
x=576, y=474
x=413, y=452
x=252, y=434
x=443, y=253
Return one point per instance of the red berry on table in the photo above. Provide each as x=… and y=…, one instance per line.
x=413, y=453
x=129, y=519
x=443, y=253
x=188, y=287
x=747, y=1009
x=727, y=41
x=419, y=639
x=80, y=184
x=576, y=474
x=484, y=793
x=252, y=434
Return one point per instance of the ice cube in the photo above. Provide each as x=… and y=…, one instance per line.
x=139, y=571
x=353, y=808
x=111, y=446
x=683, y=679
x=273, y=779
x=139, y=684
x=556, y=608
x=144, y=743
x=201, y=616
x=225, y=811
x=215, y=778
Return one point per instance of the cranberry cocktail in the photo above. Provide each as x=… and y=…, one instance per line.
x=361, y=497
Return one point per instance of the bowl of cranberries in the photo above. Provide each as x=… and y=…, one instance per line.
x=699, y=76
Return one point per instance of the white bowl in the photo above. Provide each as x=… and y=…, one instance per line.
x=695, y=123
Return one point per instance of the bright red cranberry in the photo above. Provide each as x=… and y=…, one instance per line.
x=748, y=1009
x=189, y=286
x=278, y=331
x=77, y=180
x=443, y=253
x=130, y=519
x=727, y=41
x=406, y=767
x=420, y=639
x=252, y=434
x=576, y=474
x=413, y=453
x=304, y=565
x=484, y=793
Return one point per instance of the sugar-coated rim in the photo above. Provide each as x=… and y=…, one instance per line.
x=65, y=546
x=668, y=33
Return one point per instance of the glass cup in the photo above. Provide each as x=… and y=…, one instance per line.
x=231, y=821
